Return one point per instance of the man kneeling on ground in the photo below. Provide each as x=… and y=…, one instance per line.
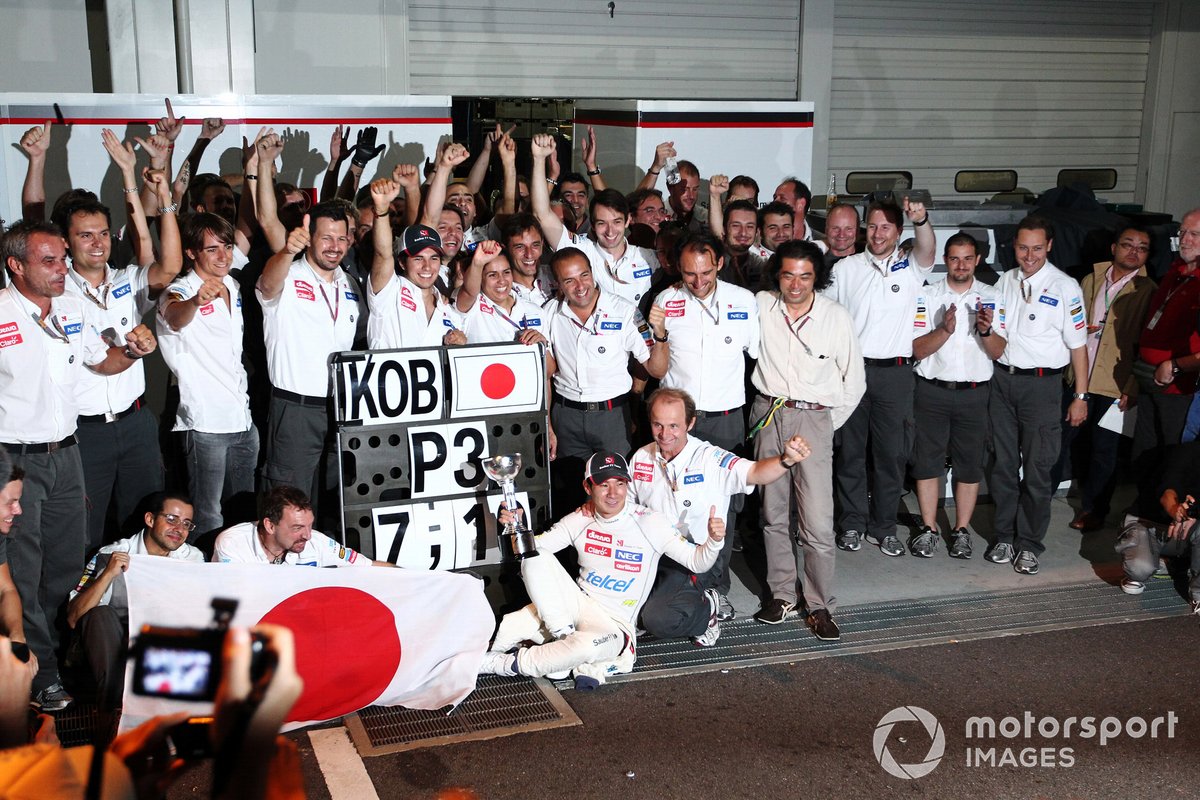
x=588, y=625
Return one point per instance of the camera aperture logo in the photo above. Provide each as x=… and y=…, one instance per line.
x=937, y=746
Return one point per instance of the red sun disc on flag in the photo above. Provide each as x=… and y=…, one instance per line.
x=497, y=381
x=347, y=649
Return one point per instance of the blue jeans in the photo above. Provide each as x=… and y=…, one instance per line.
x=220, y=469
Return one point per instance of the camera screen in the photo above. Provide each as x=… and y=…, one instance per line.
x=172, y=672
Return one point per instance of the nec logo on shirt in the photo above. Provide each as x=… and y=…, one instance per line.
x=536, y=322
x=899, y=265
x=446, y=321
x=1050, y=301
x=351, y=296
x=121, y=290
x=642, y=273
x=71, y=330
x=627, y=555
x=737, y=315
x=692, y=479
x=610, y=326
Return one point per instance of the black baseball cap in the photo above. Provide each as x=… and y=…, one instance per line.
x=602, y=466
x=421, y=237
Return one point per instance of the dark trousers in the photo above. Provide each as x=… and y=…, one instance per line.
x=122, y=464
x=103, y=634
x=580, y=434
x=1089, y=454
x=47, y=548
x=1160, y=422
x=727, y=431
x=1026, y=430
x=677, y=606
x=884, y=417
x=300, y=453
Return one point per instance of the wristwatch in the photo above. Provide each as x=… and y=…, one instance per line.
x=1081, y=395
x=666, y=335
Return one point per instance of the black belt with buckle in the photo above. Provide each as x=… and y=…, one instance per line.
x=1037, y=372
x=700, y=413
x=43, y=447
x=960, y=385
x=898, y=361
x=106, y=418
x=600, y=405
x=302, y=399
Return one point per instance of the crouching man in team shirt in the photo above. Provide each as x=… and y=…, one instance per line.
x=588, y=625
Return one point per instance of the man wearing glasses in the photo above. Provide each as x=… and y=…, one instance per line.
x=99, y=606
x=1115, y=297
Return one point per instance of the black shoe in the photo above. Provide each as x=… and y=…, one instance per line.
x=823, y=626
x=775, y=611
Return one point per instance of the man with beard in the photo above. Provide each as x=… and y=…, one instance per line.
x=881, y=289
x=950, y=407
x=310, y=310
x=616, y=265
x=407, y=310
x=524, y=246
x=775, y=225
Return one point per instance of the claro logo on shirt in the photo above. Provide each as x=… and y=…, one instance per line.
x=304, y=290
x=9, y=334
x=643, y=471
x=206, y=310
x=597, y=550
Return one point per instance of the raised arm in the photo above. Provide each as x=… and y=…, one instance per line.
x=451, y=156
x=383, y=265
x=123, y=158
x=925, y=248
x=718, y=185
x=166, y=131
x=589, y=161
x=179, y=313
x=246, y=220
x=479, y=169
x=270, y=283
x=508, y=160
x=485, y=253
x=338, y=153
x=539, y=190
x=364, y=150
x=35, y=142
x=661, y=154
x=268, y=146
x=170, y=255
x=210, y=129
x=409, y=178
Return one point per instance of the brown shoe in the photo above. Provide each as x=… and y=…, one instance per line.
x=1087, y=522
x=823, y=626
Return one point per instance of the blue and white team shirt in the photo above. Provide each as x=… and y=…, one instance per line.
x=687, y=487
x=962, y=358
x=592, y=357
x=618, y=557
x=629, y=276
x=881, y=295
x=1042, y=318
x=240, y=545
x=489, y=322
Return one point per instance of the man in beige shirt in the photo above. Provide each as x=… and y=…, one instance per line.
x=810, y=379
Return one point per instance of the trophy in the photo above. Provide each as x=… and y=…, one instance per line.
x=502, y=469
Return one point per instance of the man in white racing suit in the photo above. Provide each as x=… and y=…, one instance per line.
x=588, y=625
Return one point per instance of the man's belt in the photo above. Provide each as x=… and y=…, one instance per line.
x=954, y=384
x=302, y=399
x=700, y=413
x=898, y=361
x=1035, y=371
x=43, y=447
x=599, y=405
x=800, y=405
x=110, y=417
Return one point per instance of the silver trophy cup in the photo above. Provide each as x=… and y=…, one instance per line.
x=502, y=469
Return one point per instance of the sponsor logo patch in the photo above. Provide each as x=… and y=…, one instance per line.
x=304, y=290
x=484, y=307
x=407, y=302
x=646, y=475
x=351, y=296
x=676, y=304
x=692, y=479
x=631, y=556
x=536, y=322
x=598, y=536
x=625, y=567
x=642, y=273
x=206, y=310
x=899, y=265
x=1050, y=301
x=610, y=326
x=737, y=315
x=597, y=550
x=9, y=334
x=728, y=460
x=71, y=329
x=122, y=290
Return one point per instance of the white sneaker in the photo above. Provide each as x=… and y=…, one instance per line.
x=1130, y=586
x=713, y=631
x=497, y=663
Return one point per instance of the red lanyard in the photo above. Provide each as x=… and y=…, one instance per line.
x=336, y=308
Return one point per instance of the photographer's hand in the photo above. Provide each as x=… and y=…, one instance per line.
x=147, y=756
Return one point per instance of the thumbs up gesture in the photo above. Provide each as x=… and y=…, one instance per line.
x=716, y=525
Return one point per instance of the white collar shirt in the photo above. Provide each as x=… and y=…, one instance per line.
x=135, y=545
x=488, y=322
x=592, y=357
x=1041, y=319
x=708, y=340
x=544, y=287
x=309, y=320
x=206, y=358
x=114, y=309
x=240, y=544
x=398, y=317
x=687, y=487
x=41, y=368
x=962, y=357
x=881, y=295
x=629, y=276
x=814, y=359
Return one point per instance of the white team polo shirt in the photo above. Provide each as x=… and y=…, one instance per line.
x=593, y=357
x=487, y=322
x=114, y=309
x=239, y=544
x=135, y=545
x=40, y=369
x=206, y=357
x=398, y=317
x=707, y=339
x=962, y=357
x=628, y=277
x=685, y=488
x=881, y=296
x=1042, y=321
x=304, y=324
x=544, y=287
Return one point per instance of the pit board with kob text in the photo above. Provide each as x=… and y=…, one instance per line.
x=413, y=427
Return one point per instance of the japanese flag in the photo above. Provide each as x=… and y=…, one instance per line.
x=372, y=636
x=497, y=379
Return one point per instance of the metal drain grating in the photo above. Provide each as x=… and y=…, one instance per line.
x=908, y=623
x=497, y=707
